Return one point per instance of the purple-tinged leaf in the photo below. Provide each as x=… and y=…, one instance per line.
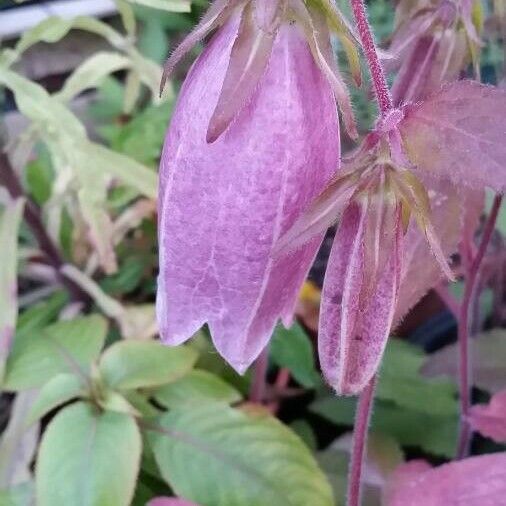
x=476, y=481
x=170, y=501
x=248, y=60
x=459, y=134
x=490, y=419
x=223, y=206
x=355, y=320
x=216, y=15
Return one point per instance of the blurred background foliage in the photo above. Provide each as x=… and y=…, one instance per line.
x=92, y=406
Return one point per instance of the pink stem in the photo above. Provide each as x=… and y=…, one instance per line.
x=464, y=334
x=358, y=450
x=257, y=392
x=376, y=69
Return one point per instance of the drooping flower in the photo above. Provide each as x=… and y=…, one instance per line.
x=431, y=45
x=253, y=139
x=375, y=194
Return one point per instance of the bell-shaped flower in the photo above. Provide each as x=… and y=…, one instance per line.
x=431, y=46
x=253, y=139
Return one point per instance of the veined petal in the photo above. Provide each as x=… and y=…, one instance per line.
x=248, y=60
x=217, y=13
x=224, y=205
x=354, y=328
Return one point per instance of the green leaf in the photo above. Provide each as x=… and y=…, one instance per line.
x=10, y=220
x=135, y=364
x=20, y=495
x=88, y=458
x=434, y=434
x=66, y=346
x=166, y=5
x=292, y=348
x=196, y=388
x=400, y=381
x=219, y=456
x=91, y=73
x=41, y=314
x=39, y=176
x=58, y=390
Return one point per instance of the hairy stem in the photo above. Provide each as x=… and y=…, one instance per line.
x=257, y=392
x=376, y=69
x=358, y=450
x=32, y=216
x=464, y=326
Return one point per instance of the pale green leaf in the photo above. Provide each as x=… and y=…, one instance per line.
x=91, y=73
x=19, y=495
x=219, y=456
x=88, y=458
x=66, y=346
x=58, y=390
x=195, y=388
x=18, y=443
x=166, y=5
x=134, y=364
x=127, y=16
x=10, y=220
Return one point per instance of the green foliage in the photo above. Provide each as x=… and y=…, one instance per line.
x=135, y=364
x=292, y=348
x=63, y=347
x=88, y=458
x=216, y=455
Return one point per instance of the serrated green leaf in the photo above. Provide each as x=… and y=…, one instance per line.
x=195, y=388
x=58, y=390
x=10, y=220
x=87, y=458
x=435, y=434
x=292, y=348
x=63, y=347
x=135, y=364
x=219, y=456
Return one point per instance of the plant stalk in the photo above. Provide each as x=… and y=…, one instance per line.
x=358, y=450
x=464, y=326
x=257, y=392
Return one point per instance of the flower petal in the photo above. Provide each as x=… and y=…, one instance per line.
x=224, y=205
x=490, y=419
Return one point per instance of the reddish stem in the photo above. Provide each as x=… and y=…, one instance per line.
x=257, y=392
x=376, y=69
x=464, y=330
x=358, y=450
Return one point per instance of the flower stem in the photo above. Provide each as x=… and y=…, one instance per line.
x=464, y=326
x=257, y=392
x=376, y=69
x=32, y=214
x=358, y=450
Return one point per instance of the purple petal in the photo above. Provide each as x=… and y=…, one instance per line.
x=476, y=481
x=459, y=134
x=224, y=205
x=356, y=318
